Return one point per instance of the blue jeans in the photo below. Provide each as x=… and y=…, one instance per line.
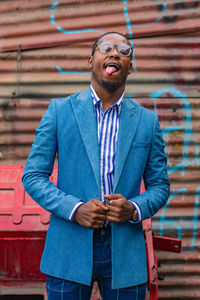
x=60, y=289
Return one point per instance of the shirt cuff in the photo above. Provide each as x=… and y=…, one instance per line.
x=138, y=212
x=71, y=217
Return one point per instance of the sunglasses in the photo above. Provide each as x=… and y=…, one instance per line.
x=123, y=50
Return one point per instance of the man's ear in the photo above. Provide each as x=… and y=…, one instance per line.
x=130, y=67
x=90, y=60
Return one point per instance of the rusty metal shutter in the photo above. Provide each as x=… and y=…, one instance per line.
x=44, y=50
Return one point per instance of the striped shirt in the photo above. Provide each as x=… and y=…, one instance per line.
x=107, y=129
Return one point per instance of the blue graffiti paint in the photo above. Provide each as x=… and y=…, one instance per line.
x=164, y=220
x=187, y=128
x=164, y=8
x=197, y=151
x=72, y=72
x=174, y=92
x=128, y=24
x=65, y=31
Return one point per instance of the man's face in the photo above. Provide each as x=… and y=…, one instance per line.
x=111, y=69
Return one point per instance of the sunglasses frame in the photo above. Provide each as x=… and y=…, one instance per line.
x=115, y=46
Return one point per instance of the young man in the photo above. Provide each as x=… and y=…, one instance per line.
x=106, y=145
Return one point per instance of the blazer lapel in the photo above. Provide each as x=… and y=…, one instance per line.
x=86, y=118
x=129, y=118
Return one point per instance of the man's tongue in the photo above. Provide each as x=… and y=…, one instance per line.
x=110, y=70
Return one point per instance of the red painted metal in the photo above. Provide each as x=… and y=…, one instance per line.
x=20, y=253
x=18, y=212
x=166, y=244
x=152, y=265
x=24, y=224
x=156, y=243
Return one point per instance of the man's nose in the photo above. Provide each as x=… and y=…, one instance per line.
x=114, y=53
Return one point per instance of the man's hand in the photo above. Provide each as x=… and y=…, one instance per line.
x=91, y=214
x=119, y=208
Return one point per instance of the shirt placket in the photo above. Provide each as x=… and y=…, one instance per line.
x=103, y=123
x=104, y=141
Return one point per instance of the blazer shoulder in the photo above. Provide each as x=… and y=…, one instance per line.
x=75, y=98
x=63, y=101
x=147, y=112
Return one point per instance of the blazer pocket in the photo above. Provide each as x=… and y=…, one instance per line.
x=140, y=144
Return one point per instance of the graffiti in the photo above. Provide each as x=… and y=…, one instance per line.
x=65, y=31
x=187, y=127
x=171, y=223
x=162, y=10
x=177, y=6
x=130, y=25
x=182, y=224
x=61, y=71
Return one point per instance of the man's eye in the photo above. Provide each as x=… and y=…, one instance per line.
x=108, y=49
x=124, y=51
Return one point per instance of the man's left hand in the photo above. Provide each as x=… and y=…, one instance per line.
x=119, y=208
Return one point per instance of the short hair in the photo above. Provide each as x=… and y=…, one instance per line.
x=107, y=33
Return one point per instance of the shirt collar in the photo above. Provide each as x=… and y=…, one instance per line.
x=97, y=101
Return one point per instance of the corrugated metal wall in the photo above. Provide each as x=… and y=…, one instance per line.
x=44, y=50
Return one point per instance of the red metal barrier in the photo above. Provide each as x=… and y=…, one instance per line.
x=156, y=243
x=23, y=226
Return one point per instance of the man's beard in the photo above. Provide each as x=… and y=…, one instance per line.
x=110, y=86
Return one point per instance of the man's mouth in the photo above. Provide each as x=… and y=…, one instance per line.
x=111, y=68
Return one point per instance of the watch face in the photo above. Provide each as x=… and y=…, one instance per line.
x=135, y=215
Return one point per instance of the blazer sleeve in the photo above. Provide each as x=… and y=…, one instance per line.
x=157, y=186
x=39, y=167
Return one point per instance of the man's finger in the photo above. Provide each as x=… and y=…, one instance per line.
x=113, y=196
x=100, y=217
x=101, y=205
x=113, y=214
x=113, y=219
x=113, y=207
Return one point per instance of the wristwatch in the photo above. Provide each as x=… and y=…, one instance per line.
x=134, y=216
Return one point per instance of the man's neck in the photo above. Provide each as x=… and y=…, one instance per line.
x=107, y=97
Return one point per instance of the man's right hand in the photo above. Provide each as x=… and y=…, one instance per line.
x=91, y=214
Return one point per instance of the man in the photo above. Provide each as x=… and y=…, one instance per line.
x=106, y=145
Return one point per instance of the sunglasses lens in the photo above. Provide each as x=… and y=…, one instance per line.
x=106, y=47
x=123, y=50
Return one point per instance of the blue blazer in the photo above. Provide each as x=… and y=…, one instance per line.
x=69, y=128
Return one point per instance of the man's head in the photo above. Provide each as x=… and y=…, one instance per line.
x=111, y=61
